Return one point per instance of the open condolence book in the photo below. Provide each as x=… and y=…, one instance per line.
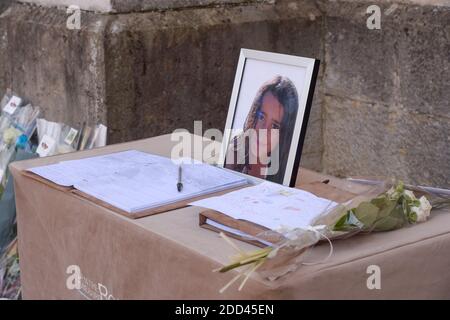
x=134, y=181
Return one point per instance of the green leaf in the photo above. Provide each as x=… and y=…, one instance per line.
x=382, y=213
x=386, y=207
x=400, y=187
x=367, y=213
x=340, y=224
x=348, y=222
x=379, y=201
x=396, y=219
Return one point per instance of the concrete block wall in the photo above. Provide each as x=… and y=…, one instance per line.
x=381, y=105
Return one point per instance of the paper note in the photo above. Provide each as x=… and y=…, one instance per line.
x=270, y=205
x=12, y=105
x=134, y=181
x=100, y=140
x=70, y=138
x=46, y=147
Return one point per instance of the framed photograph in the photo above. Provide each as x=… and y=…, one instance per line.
x=268, y=115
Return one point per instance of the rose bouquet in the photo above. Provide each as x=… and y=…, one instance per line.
x=391, y=210
x=385, y=207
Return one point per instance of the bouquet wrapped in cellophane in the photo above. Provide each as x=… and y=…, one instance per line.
x=383, y=207
x=17, y=125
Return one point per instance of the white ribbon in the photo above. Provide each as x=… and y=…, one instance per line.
x=317, y=230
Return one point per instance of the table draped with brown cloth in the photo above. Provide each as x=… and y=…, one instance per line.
x=168, y=256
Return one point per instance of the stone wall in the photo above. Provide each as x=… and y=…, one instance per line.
x=150, y=73
x=4, y=4
x=381, y=105
x=58, y=69
x=180, y=65
x=386, y=109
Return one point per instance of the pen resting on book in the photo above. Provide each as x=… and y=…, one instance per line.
x=180, y=183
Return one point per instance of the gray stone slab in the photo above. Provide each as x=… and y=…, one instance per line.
x=424, y=59
x=407, y=61
x=58, y=69
x=87, y=5
x=363, y=138
x=360, y=63
x=4, y=4
x=152, y=5
x=4, y=68
x=124, y=6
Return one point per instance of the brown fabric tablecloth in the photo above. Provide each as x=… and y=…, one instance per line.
x=168, y=256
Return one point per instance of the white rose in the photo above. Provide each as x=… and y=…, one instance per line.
x=10, y=135
x=423, y=211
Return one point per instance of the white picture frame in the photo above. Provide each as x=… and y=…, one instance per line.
x=256, y=61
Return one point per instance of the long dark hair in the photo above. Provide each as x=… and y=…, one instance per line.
x=284, y=91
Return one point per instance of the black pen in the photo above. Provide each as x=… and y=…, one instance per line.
x=180, y=183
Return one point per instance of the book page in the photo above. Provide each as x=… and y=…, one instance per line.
x=134, y=181
x=270, y=205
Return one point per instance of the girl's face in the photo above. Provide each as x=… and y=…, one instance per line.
x=269, y=117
